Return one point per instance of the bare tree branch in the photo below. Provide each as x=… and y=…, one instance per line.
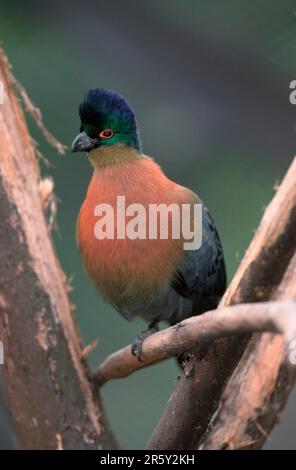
x=196, y=398
x=277, y=317
x=50, y=395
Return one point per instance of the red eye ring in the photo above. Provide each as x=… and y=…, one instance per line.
x=106, y=134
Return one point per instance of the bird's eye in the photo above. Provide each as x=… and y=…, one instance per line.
x=106, y=134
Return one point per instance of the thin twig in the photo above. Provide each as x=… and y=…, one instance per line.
x=31, y=108
x=37, y=116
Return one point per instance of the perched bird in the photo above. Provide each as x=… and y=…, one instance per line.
x=153, y=278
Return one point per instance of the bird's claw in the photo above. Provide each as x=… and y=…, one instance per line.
x=138, y=344
x=137, y=347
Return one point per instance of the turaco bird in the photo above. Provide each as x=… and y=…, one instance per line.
x=154, y=278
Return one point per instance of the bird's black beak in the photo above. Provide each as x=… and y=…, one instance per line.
x=82, y=143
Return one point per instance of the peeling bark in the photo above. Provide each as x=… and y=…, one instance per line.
x=259, y=388
x=48, y=387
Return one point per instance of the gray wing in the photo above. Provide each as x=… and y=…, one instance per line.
x=202, y=276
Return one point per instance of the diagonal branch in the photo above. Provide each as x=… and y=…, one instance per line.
x=276, y=317
x=49, y=392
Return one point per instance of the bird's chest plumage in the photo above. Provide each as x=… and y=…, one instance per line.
x=123, y=267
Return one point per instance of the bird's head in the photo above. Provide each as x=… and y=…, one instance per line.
x=106, y=120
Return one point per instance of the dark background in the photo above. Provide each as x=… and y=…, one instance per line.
x=210, y=85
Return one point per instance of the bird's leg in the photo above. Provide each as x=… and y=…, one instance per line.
x=137, y=345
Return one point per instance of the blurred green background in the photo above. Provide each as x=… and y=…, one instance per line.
x=210, y=85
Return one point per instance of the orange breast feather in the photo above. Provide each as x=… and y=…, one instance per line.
x=116, y=265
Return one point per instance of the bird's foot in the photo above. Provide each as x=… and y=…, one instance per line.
x=137, y=345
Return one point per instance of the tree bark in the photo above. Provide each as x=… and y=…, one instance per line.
x=48, y=388
x=259, y=388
